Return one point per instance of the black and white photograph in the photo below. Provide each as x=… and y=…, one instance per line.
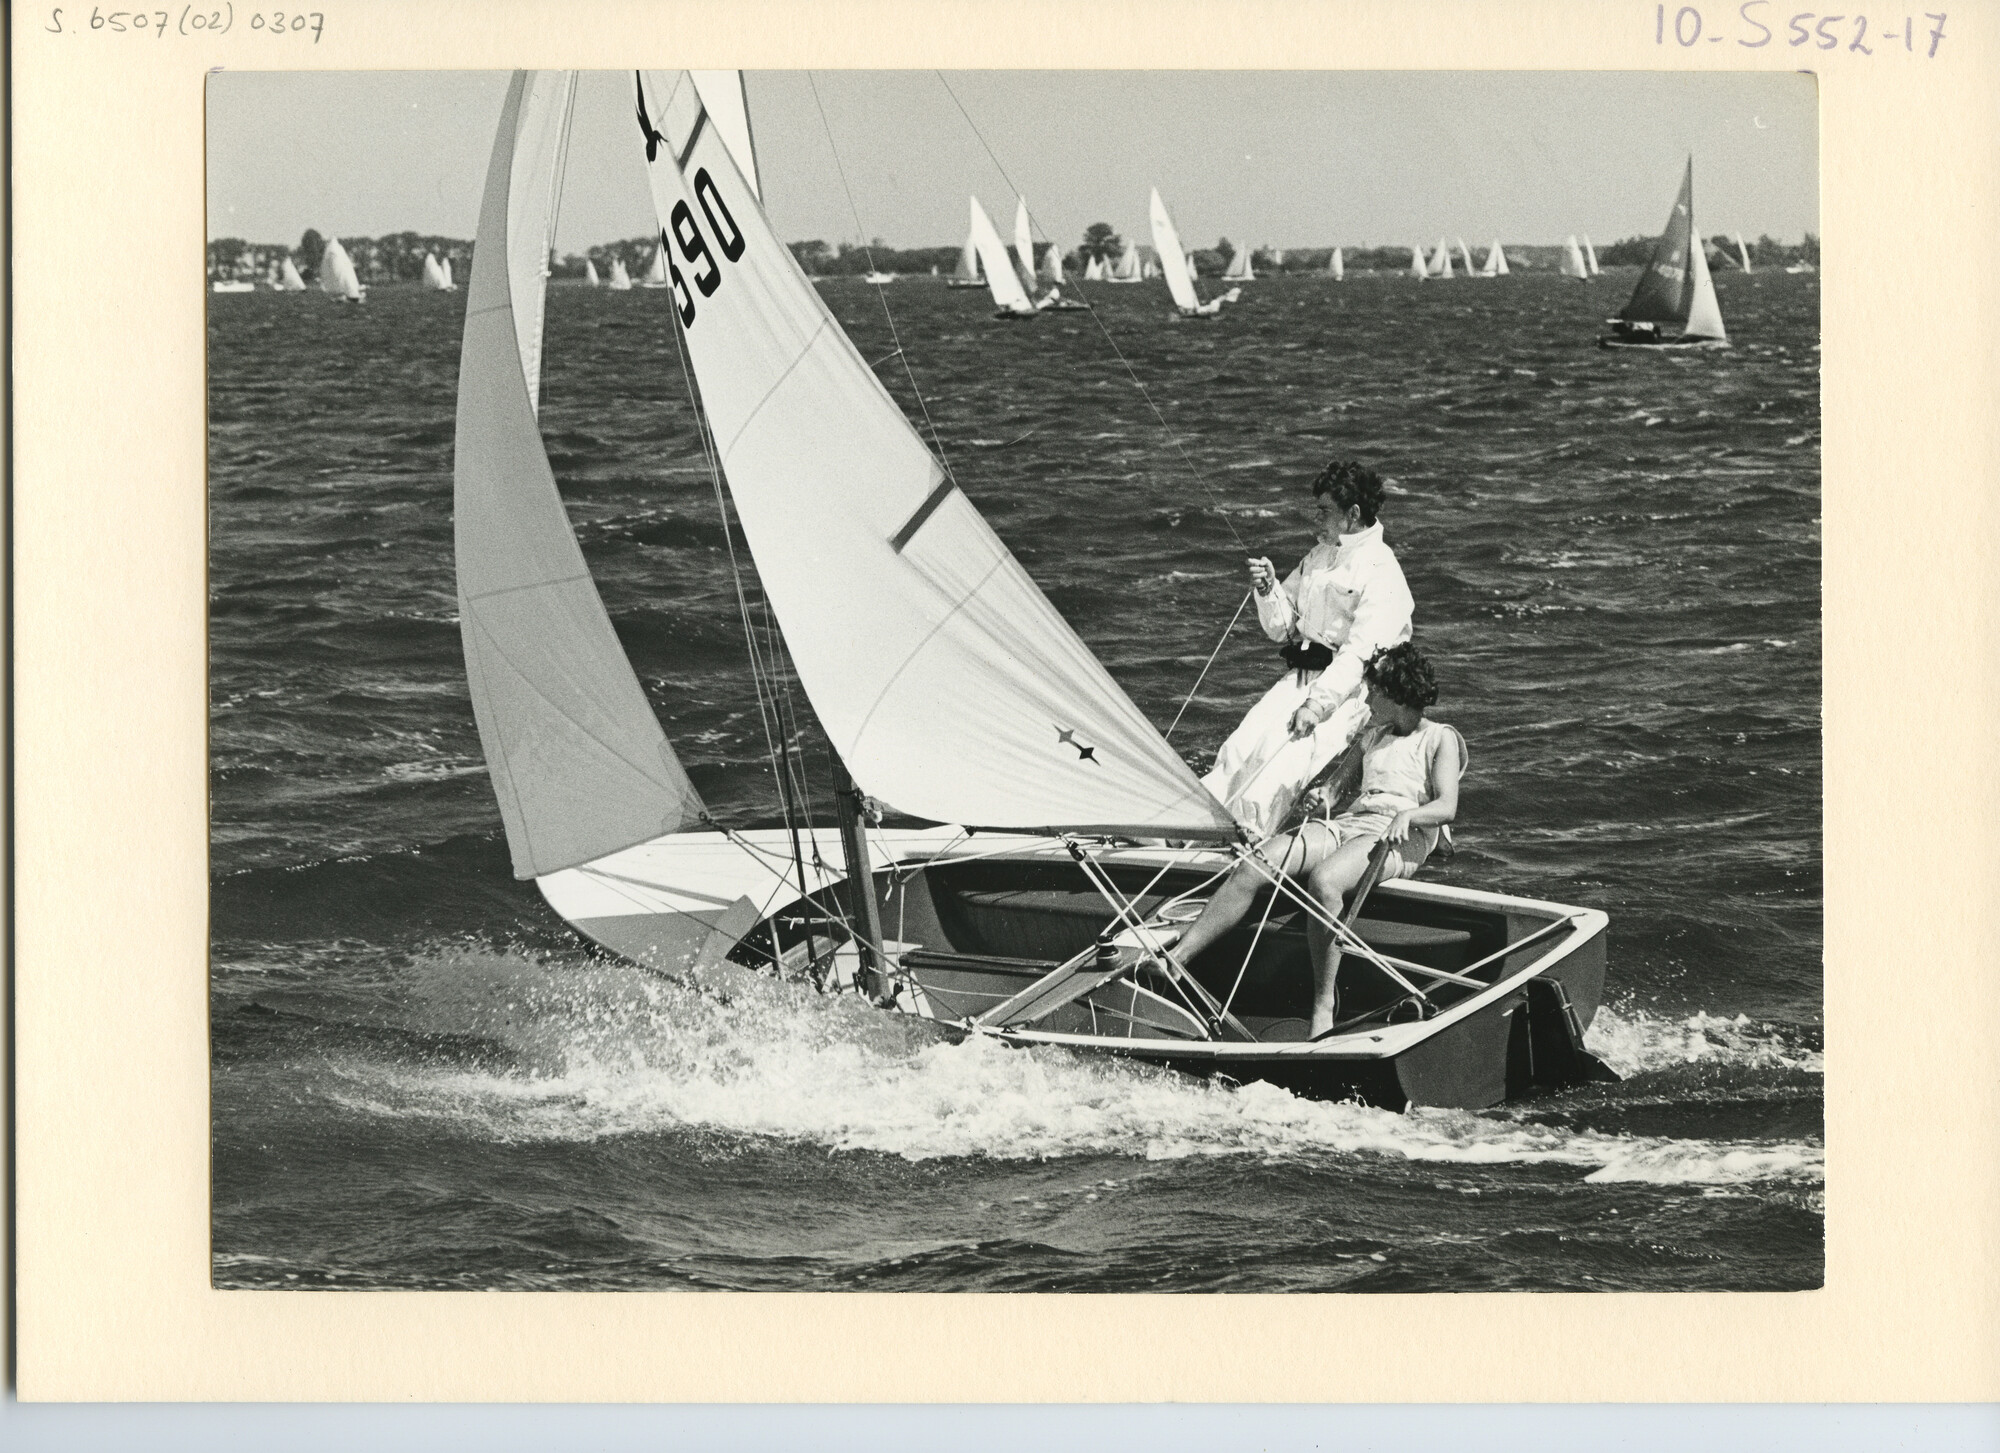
x=1015, y=681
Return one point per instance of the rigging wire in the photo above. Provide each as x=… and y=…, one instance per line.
x=1091, y=307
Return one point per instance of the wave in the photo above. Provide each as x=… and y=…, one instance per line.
x=600, y=1050
x=1635, y=1041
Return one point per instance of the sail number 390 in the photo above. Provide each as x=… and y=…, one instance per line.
x=687, y=239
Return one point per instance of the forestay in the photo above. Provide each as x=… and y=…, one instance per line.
x=1173, y=262
x=945, y=680
x=578, y=761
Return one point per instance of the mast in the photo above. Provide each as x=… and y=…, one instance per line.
x=872, y=977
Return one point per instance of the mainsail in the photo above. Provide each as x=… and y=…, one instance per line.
x=433, y=274
x=1496, y=260
x=288, y=278
x=1417, y=268
x=1441, y=260
x=590, y=276
x=1572, y=263
x=1336, y=266
x=1024, y=243
x=336, y=272
x=656, y=274
x=1465, y=256
x=1744, y=253
x=444, y=271
x=947, y=683
x=967, y=270
x=578, y=760
x=1052, y=268
x=1093, y=271
x=1675, y=286
x=1239, y=270
x=1000, y=277
x=1173, y=261
x=1590, y=257
x=1126, y=268
x=621, y=280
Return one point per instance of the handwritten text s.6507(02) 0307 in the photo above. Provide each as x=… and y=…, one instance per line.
x=307, y=25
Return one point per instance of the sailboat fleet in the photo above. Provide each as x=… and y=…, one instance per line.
x=1041, y=910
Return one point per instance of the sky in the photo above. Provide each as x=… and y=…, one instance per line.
x=1271, y=158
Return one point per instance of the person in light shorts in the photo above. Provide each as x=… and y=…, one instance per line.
x=1408, y=791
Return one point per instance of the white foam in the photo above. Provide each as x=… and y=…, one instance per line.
x=1633, y=1041
x=608, y=1052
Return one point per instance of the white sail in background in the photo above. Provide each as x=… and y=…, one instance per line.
x=1496, y=261
x=1052, y=268
x=1417, y=268
x=1743, y=253
x=1024, y=244
x=590, y=276
x=944, y=679
x=1465, y=256
x=1277, y=258
x=1173, y=261
x=967, y=270
x=433, y=274
x=1336, y=266
x=1704, y=318
x=444, y=271
x=1441, y=260
x=289, y=280
x=1000, y=276
x=1572, y=263
x=1152, y=268
x=579, y=764
x=337, y=277
x=621, y=280
x=1126, y=269
x=1590, y=257
x=1093, y=270
x=656, y=274
x=1239, y=270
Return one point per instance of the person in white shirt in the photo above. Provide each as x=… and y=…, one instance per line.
x=1346, y=601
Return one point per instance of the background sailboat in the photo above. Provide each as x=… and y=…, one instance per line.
x=966, y=274
x=1743, y=253
x=1496, y=261
x=1675, y=288
x=621, y=281
x=1590, y=257
x=1239, y=269
x=1465, y=257
x=1173, y=264
x=590, y=277
x=1010, y=299
x=1024, y=244
x=1336, y=266
x=1441, y=260
x=289, y=280
x=1417, y=268
x=1093, y=270
x=1126, y=269
x=1573, y=264
x=433, y=274
x=656, y=272
x=337, y=278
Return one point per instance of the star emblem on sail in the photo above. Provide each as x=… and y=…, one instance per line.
x=931, y=657
x=1067, y=737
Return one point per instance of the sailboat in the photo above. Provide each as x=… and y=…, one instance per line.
x=1052, y=268
x=433, y=274
x=1277, y=259
x=621, y=280
x=1675, y=288
x=1336, y=266
x=1093, y=270
x=590, y=277
x=656, y=273
x=946, y=683
x=1417, y=268
x=233, y=285
x=1010, y=299
x=1573, y=264
x=1743, y=253
x=1024, y=244
x=289, y=280
x=444, y=267
x=1239, y=269
x=1126, y=269
x=966, y=274
x=1174, y=265
x=1590, y=257
x=337, y=278
x=1465, y=258
x=1441, y=260
x=1496, y=261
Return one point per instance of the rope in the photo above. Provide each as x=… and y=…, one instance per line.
x=1220, y=643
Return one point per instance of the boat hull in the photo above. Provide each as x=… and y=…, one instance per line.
x=972, y=922
x=1667, y=344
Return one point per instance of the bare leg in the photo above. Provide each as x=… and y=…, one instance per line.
x=1330, y=883
x=1232, y=900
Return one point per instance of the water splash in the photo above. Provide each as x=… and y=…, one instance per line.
x=605, y=1051
x=1633, y=1041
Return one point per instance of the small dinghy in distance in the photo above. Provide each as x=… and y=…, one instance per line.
x=1675, y=289
x=1174, y=265
x=946, y=683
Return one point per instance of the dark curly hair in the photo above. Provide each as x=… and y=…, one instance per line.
x=1404, y=675
x=1349, y=483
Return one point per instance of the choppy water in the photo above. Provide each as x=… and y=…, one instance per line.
x=421, y=1080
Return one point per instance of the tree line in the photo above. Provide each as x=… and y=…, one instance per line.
x=399, y=256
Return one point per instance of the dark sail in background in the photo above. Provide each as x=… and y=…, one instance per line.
x=1666, y=287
